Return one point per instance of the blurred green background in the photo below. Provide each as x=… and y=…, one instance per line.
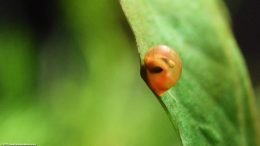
x=69, y=75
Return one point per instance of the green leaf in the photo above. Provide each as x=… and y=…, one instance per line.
x=213, y=102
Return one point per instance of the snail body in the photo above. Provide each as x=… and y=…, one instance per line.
x=163, y=68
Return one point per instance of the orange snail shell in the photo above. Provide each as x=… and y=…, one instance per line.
x=163, y=68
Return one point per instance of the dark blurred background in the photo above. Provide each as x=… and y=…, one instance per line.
x=62, y=63
x=246, y=21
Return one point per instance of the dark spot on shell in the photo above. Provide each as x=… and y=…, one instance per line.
x=156, y=69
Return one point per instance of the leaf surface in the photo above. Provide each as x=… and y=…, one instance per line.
x=213, y=102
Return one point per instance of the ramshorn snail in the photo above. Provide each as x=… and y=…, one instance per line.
x=163, y=68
